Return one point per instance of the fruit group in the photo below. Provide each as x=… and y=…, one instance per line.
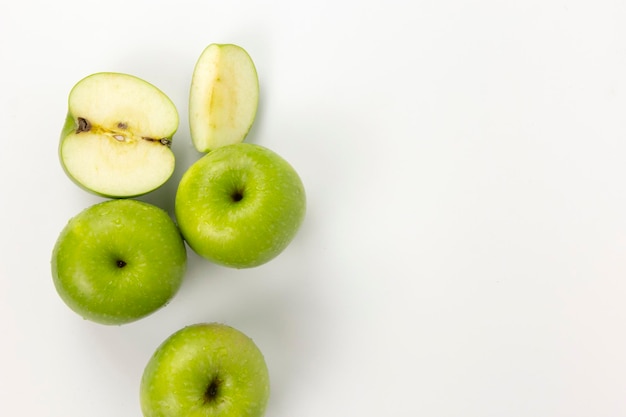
x=118, y=261
x=240, y=205
x=223, y=98
x=117, y=135
x=205, y=370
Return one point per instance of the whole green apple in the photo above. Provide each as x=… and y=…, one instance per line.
x=240, y=205
x=117, y=135
x=206, y=369
x=118, y=261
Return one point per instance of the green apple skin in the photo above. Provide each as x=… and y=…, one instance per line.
x=118, y=261
x=205, y=369
x=240, y=205
x=126, y=151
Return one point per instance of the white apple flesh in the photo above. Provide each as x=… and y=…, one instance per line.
x=224, y=97
x=117, y=135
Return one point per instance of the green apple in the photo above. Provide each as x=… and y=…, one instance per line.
x=223, y=98
x=118, y=261
x=117, y=135
x=206, y=369
x=240, y=205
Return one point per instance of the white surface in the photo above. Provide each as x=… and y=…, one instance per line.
x=464, y=250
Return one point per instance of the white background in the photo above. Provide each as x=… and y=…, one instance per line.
x=464, y=247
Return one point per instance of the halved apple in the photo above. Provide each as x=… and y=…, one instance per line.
x=117, y=135
x=224, y=97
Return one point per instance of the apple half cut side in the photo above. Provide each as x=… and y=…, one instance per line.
x=224, y=97
x=116, y=141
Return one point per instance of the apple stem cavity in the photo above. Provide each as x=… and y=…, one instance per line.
x=212, y=391
x=120, y=264
x=237, y=196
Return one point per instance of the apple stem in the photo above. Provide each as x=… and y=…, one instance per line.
x=164, y=141
x=237, y=196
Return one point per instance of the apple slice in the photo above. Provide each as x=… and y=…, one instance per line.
x=117, y=135
x=224, y=97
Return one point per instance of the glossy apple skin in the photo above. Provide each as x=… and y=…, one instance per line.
x=118, y=261
x=187, y=365
x=240, y=205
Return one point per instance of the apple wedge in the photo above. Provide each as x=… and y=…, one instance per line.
x=224, y=97
x=117, y=135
